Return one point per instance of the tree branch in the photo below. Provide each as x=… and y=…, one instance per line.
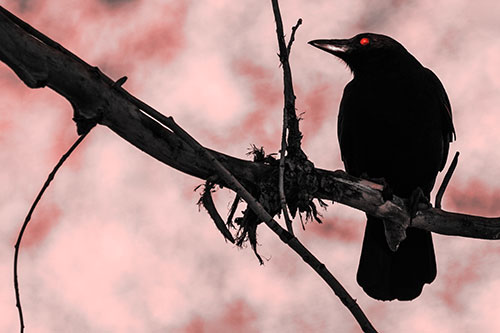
x=446, y=180
x=41, y=62
x=27, y=219
x=367, y=196
x=94, y=96
x=294, y=135
x=207, y=202
x=292, y=36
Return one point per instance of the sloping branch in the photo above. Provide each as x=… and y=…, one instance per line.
x=40, y=62
x=284, y=235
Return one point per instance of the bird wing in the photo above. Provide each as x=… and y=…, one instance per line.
x=435, y=91
x=340, y=127
x=449, y=134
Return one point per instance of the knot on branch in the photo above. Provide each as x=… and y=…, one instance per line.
x=83, y=122
x=301, y=184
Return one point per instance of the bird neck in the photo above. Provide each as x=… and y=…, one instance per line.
x=386, y=67
x=394, y=72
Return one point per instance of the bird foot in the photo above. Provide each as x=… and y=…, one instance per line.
x=418, y=201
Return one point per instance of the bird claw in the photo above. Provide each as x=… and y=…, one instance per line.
x=417, y=201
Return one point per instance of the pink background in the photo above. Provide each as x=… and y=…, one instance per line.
x=118, y=244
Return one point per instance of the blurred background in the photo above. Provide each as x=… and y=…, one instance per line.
x=118, y=244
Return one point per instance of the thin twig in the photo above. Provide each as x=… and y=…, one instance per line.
x=288, y=111
x=232, y=211
x=285, y=236
x=281, y=181
x=209, y=205
x=446, y=180
x=28, y=218
x=292, y=36
x=294, y=134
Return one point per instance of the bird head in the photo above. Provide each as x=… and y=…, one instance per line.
x=368, y=52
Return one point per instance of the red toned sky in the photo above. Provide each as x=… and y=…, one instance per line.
x=118, y=243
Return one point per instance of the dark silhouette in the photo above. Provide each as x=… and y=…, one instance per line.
x=394, y=123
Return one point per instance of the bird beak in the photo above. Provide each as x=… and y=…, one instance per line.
x=336, y=47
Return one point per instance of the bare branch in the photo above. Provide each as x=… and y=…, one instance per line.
x=92, y=95
x=208, y=203
x=446, y=180
x=294, y=134
x=27, y=220
x=232, y=211
x=288, y=87
x=87, y=87
x=292, y=36
x=367, y=196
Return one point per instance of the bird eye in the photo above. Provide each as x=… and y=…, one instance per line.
x=364, y=41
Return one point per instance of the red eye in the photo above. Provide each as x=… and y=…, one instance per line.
x=364, y=41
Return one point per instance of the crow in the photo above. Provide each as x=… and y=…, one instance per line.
x=394, y=124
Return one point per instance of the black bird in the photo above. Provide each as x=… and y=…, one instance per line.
x=394, y=123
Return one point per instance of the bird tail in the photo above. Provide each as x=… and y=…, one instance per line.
x=387, y=275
